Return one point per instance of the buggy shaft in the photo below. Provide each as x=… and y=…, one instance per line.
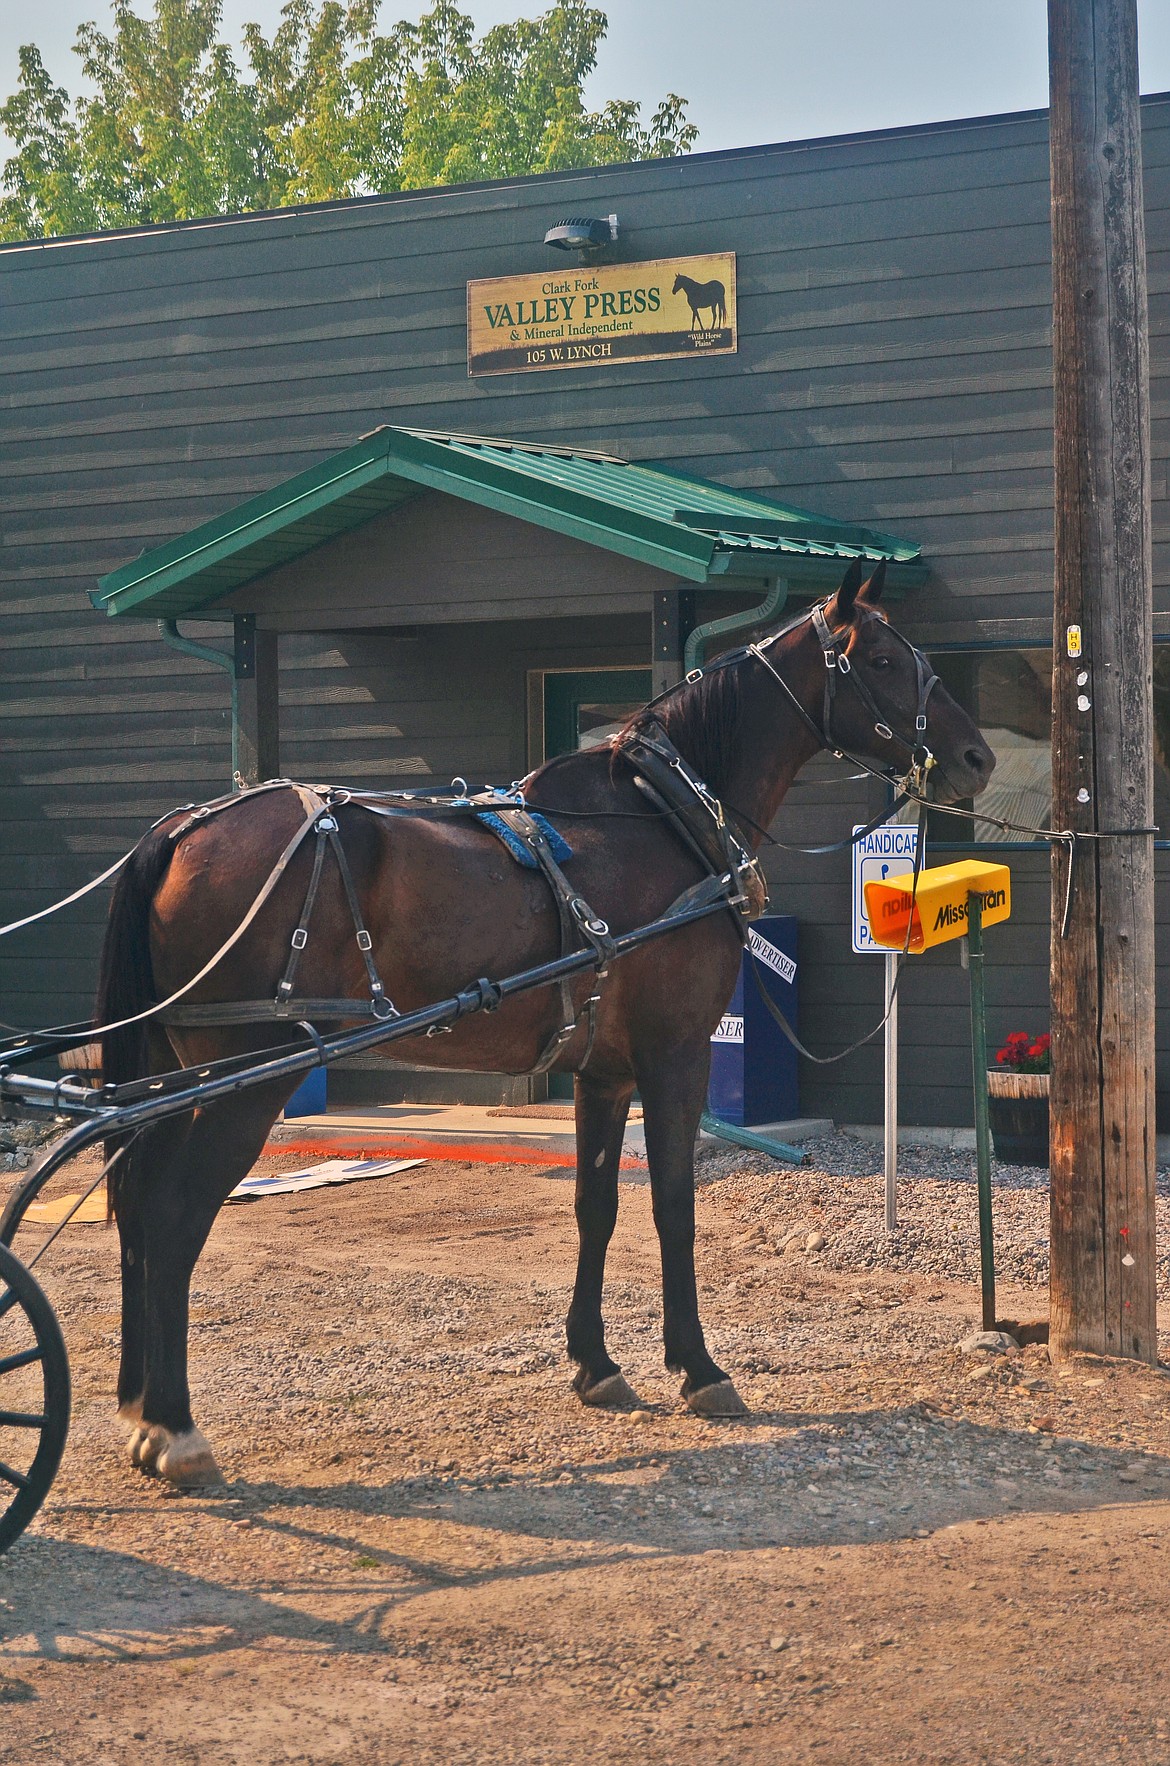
x=102, y=1115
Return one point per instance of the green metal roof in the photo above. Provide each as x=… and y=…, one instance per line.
x=697, y=530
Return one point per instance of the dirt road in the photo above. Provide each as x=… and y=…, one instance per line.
x=427, y=1551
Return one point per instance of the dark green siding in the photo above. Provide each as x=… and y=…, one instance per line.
x=893, y=369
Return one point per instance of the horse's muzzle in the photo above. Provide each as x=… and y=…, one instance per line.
x=965, y=776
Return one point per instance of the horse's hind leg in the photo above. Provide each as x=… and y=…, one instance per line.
x=180, y=1200
x=601, y=1120
x=148, y=1149
x=673, y=1092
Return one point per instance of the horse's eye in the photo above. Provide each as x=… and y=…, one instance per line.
x=880, y=662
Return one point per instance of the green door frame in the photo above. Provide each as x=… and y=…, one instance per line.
x=566, y=690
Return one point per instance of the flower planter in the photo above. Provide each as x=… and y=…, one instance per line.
x=1018, y=1108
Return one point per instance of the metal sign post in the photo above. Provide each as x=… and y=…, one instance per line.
x=879, y=855
x=891, y=1092
x=915, y=912
x=982, y=1125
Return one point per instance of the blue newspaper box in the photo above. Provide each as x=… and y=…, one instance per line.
x=309, y=1097
x=754, y=1075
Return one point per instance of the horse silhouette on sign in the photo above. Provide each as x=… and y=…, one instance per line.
x=701, y=295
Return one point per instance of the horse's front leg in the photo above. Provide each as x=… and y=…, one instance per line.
x=602, y=1109
x=673, y=1091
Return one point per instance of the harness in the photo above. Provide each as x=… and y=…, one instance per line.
x=660, y=773
x=505, y=813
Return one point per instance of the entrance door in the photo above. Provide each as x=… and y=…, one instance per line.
x=581, y=709
x=584, y=706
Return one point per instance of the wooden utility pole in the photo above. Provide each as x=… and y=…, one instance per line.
x=1103, y=1145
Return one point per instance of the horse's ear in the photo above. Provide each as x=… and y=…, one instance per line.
x=848, y=592
x=871, y=594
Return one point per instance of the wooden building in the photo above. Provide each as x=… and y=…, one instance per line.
x=262, y=432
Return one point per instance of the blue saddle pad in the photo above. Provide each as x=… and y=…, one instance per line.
x=559, y=847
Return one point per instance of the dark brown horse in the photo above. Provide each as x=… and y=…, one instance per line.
x=444, y=902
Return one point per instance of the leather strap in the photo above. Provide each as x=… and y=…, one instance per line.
x=697, y=815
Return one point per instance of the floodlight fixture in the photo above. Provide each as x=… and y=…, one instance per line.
x=582, y=234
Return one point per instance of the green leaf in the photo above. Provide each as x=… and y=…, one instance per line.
x=330, y=107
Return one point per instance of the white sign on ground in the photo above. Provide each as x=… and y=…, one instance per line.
x=883, y=852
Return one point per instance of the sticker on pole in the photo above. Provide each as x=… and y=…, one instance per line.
x=882, y=853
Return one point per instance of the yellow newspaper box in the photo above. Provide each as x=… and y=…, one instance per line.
x=939, y=906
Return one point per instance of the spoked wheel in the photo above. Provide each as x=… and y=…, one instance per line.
x=34, y=1397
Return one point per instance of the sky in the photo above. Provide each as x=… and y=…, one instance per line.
x=751, y=70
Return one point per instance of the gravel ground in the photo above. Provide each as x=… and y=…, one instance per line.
x=425, y=1549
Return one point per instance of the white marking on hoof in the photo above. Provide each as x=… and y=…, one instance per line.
x=612, y=1393
x=187, y=1460
x=145, y=1445
x=719, y=1400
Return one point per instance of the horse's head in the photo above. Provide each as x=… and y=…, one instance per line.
x=890, y=678
x=678, y=282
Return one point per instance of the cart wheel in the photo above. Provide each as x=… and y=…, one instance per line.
x=34, y=1397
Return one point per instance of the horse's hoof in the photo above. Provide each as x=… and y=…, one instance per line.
x=187, y=1461
x=719, y=1400
x=612, y=1393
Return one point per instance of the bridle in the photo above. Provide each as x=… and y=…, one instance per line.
x=838, y=670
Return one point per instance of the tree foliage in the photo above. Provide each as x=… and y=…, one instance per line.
x=170, y=128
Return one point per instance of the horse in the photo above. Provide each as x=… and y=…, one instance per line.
x=442, y=901
x=703, y=294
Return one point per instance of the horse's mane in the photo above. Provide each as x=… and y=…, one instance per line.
x=703, y=719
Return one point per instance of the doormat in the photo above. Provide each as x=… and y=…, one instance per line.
x=317, y=1177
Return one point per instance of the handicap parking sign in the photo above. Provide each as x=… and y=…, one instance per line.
x=888, y=851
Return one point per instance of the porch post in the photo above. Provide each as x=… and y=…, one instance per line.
x=674, y=616
x=255, y=703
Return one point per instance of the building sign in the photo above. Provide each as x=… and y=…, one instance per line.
x=601, y=314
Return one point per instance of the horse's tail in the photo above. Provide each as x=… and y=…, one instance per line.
x=126, y=977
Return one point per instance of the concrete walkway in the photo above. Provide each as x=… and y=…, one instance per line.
x=463, y=1130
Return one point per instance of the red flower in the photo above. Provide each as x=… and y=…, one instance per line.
x=1026, y=1054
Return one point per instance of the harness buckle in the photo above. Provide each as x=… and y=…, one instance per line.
x=844, y=665
x=364, y=941
x=696, y=674
x=326, y=825
x=300, y=938
x=920, y=723
x=382, y=1008
x=830, y=656
x=884, y=731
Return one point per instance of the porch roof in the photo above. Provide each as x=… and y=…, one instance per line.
x=693, y=528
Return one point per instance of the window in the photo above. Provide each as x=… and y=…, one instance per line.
x=1009, y=694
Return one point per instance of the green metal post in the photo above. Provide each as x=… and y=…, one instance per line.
x=982, y=1125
